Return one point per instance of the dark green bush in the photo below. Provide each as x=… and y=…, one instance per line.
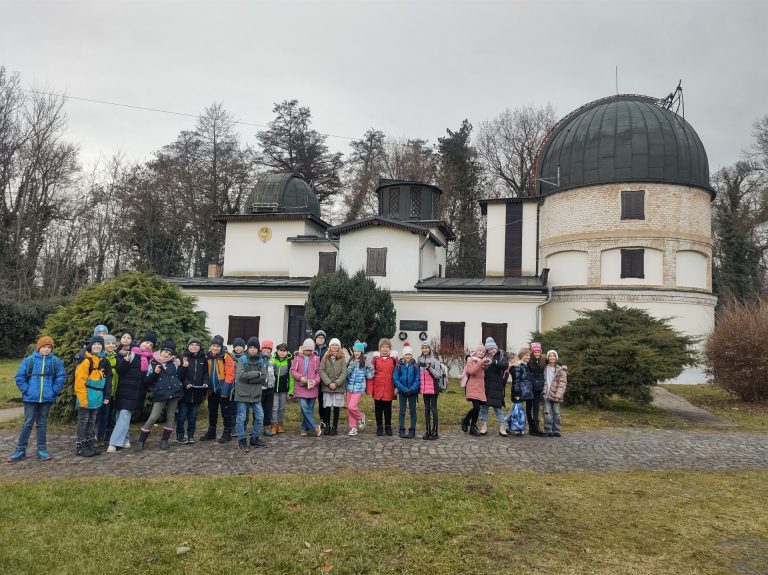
x=20, y=324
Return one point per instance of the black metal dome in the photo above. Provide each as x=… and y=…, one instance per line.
x=282, y=193
x=624, y=138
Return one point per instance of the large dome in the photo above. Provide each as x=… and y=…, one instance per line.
x=282, y=193
x=624, y=138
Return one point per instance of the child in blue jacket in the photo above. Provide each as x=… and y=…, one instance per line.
x=406, y=377
x=40, y=379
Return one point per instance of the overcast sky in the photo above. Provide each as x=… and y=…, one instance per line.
x=410, y=68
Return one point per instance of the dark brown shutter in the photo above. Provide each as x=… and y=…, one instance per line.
x=327, y=263
x=498, y=331
x=632, y=205
x=452, y=333
x=376, y=264
x=633, y=264
x=242, y=326
x=513, y=240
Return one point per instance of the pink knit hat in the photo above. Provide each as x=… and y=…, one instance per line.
x=535, y=346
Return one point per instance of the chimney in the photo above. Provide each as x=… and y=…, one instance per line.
x=214, y=271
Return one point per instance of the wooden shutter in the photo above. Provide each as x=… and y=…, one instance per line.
x=242, y=326
x=513, y=241
x=327, y=263
x=376, y=264
x=633, y=264
x=452, y=333
x=632, y=205
x=498, y=331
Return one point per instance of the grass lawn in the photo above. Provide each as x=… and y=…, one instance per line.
x=8, y=389
x=724, y=404
x=598, y=523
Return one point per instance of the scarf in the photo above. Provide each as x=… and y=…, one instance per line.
x=145, y=356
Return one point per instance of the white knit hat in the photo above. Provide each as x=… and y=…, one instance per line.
x=407, y=349
x=557, y=357
x=308, y=344
x=334, y=341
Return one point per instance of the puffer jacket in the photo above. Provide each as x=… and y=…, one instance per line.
x=333, y=371
x=300, y=390
x=131, y=388
x=494, y=380
x=40, y=378
x=93, y=381
x=475, y=380
x=221, y=373
x=536, y=370
x=555, y=391
x=522, y=382
x=358, y=376
x=165, y=385
x=251, y=374
x=194, y=377
x=283, y=376
x=429, y=375
x=382, y=386
x=407, y=378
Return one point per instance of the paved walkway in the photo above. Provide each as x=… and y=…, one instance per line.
x=454, y=452
x=676, y=405
x=11, y=413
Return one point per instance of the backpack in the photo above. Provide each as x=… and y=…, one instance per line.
x=31, y=366
x=442, y=383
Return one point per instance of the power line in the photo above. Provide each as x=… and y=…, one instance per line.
x=158, y=110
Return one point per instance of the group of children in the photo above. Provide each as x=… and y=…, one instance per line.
x=112, y=377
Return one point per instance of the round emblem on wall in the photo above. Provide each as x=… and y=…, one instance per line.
x=403, y=335
x=423, y=336
x=265, y=234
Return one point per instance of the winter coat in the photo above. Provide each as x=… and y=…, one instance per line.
x=382, y=386
x=556, y=390
x=333, y=371
x=537, y=375
x=132, y=386
x=494, y=380
x=165, y=385
x=357, y=376
x=283, y=376
x=300, y=389
x=321, y=350
x=194, y=377
x=40, y=378
x=522, y=382
x=430, y=374
x=112, y=359
x=407, y=378
x=93, y=381
x=251, y=374
x=221, y=373
x=475, y=380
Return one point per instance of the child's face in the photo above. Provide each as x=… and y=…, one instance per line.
x=408, y=358
x=216, y=349
x=96, y=347
x=166, y=354
x=126, y=339
x=552, y=358
x=146, y=345
x=526, y=358
x=45, y=350
x=385, y=350
x=537, y=354
x=281, y=353
x=111, y=346
x=480, y=352
x=101, y=333
x=253, y=351
x=334, y=348
x=307, y=352
x=319, y=340
x=425, y=349
x=237, y=348
x=266, y=351
x=193, y=347
x=357, y=353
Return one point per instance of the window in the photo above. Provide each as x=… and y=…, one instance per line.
x=632, y=205
x=394, y=203
x=632, y=263
x=377, y=262
x=452, y=333
x=415, y=202
x=242, y=326
x=327, y=263
x=498, y=331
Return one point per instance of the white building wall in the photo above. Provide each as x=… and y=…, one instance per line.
x=529, y=243
x=402, y=254
x=567, y=268
x=246, y=255
x=305, y=258
x=495, y=232
x=692, y=269
x=429, y=260
x=610, y=268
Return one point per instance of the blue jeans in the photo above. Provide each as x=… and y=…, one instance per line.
x=188, y=415
x=34, y=412
x=105, y=420
x=121, y=430
x=307, y=406
x=411, y=401
x=499, y=411
x=242, y=417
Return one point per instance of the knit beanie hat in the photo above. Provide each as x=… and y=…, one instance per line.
x=308, y=344
x=335, y=341
x=407, y=349
x=535, y=346
x=360, y=346
x=99, y=328
x=557, y=357
x=239, y=342
x=95, y=339
x=253, y=342
x=490, y=343
x=45, y=340
x=267, y=344
x=480, y=347
x=320, y=333
x=170, y=346
x=150, y=336
x=110, y=339
x=217, y=340
x=194, y=340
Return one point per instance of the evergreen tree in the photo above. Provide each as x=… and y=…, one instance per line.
x=350, y=308
x=134, y=302
x=617, y=350
x=365, y=163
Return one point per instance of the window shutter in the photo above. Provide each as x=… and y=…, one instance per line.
x=633, y=264
x=632, y=205
x=327, y=263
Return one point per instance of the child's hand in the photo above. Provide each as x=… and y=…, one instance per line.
x=185, y=363
x=157, y=369
x=189, y=386
x=332, y=385
x=106, y=402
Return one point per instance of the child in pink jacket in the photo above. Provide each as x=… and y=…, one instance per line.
x=305, y=369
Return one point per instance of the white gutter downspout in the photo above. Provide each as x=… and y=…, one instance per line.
x=421, y=254
x=541, y=305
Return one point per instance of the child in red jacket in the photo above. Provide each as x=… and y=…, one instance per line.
x=382, y=387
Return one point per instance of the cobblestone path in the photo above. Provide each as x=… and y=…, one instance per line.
x=454, y=452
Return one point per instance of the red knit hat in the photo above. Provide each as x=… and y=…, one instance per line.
x=267, y=343
x=535, y=347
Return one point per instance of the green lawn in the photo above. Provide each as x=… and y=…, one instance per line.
x=722, y=403
x=8, y=389
x=390, y=522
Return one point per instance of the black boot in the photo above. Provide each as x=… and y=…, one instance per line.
x=226, y=436
x=412, y=433
x=84, y=450
x=465, y=424
x=141, y=443
x=402, y=433
x=379, y=430
x=474, y=431
x=92, y=444
x=434, y=433
x=164, y=439
x=209, y=435
x=388, y=430
x=427, y=433
x=242, y=444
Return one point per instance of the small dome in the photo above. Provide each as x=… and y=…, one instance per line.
x=624, y=138
x=282, y=193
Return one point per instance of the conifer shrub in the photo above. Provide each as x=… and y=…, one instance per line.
x=617, y=350
x=735, y=351
x=20, y=323
x=134, y=302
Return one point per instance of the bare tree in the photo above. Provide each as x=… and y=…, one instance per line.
x=507, y=146
x=364, y=166
x=409, y=159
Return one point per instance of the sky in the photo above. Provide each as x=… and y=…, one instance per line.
x=409, y=68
